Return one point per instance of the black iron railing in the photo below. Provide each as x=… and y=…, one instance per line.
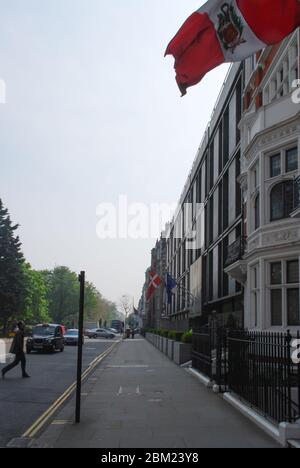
x=258, y=367
x=235, y=252
x=202, y=351
x=261, y=371
x=210, y=353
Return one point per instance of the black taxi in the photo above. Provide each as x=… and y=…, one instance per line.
x=47, y=337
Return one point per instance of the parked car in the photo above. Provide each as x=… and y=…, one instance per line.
x=72, y=337
x=47, y=337
x=100, y=333
x=113, y=330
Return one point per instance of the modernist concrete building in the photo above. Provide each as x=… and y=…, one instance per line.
x=206, y=292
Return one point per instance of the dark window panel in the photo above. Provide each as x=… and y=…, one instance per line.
x=257, y=212
x=284, y=199
x=226, y=137
x=275, y=165
x=292, y=160
x=293, y=307
x=276, y=307
x=225, y=201
x=293, y=272
x=276, y=273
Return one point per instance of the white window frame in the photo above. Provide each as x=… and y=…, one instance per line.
x=284, y=287
x=281, y=80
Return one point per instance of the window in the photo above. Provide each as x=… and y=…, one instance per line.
x=225, y=276
x=293, y=272
x=257, y=212
x=211, y=167
x=276, y=273
x=292, y=160
x=276, y=308
x=293, y=307
x=226, y=200
x=284, y=199
x=284, y=293
x=225, y=137
x=211, y=275
x=281, y=81
x=255, y=293
x=275, y=165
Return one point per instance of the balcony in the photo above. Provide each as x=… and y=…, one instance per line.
x=235, y=266
x=235, y=251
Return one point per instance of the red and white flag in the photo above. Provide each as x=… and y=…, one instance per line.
x=155, y=282
x=229, y=31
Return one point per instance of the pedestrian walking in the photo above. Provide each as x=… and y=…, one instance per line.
x=132, y=334
x=17, y=348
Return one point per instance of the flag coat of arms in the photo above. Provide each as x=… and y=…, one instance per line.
x=155, y=282
x=229, y=31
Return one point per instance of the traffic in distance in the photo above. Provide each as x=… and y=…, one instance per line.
x=52, y=338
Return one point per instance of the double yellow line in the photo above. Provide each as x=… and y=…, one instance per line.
x=40, y=422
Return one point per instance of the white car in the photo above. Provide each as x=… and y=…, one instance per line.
x=100, y=333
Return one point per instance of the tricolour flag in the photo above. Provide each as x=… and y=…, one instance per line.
x=155, y=282
x=229, y=31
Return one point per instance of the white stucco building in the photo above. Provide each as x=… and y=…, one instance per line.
x=270, y=161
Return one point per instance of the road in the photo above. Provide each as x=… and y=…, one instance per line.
x=23, y=401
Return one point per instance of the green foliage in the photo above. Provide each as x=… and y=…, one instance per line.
x=42, y=296
x=187, y=337
x=63, y=294
x=36, y=297
x=12, y=281
x=63, y=298
x=175, y=335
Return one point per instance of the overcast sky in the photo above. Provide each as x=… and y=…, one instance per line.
x=93, y=112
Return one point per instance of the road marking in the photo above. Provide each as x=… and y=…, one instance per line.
x=61, y=423
x=138, y=390
x=41, y=421
x=127, y=367
x=120, y=391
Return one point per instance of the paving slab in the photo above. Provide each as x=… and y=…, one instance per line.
x=126, y=406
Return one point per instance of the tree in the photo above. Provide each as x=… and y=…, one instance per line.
x=12, y=280
x=126, y=306
x=97, y=308
x=36, y=304
x=63, y=295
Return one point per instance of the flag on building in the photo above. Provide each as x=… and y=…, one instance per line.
x=155, y=282
x=229, y=31
x=171, y=285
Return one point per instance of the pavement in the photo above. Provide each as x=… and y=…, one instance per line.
x=22, y=402
x=138, y=398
